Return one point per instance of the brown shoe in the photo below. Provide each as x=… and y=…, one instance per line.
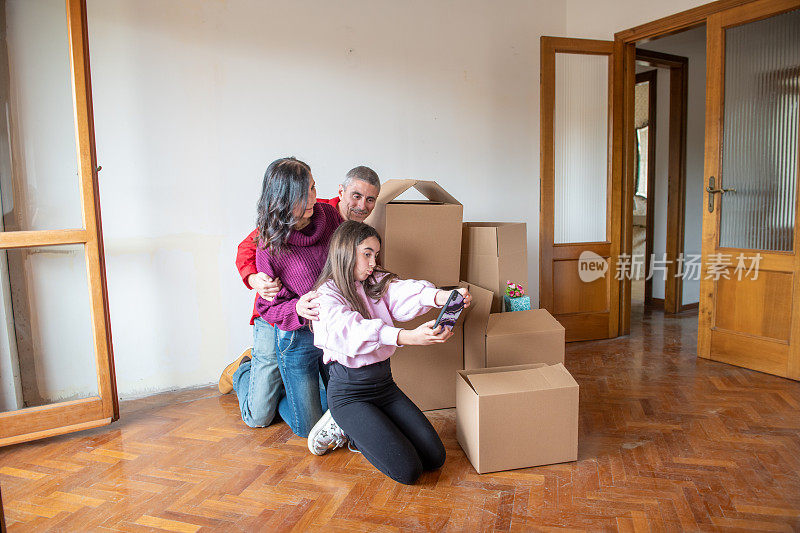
x=226, y=379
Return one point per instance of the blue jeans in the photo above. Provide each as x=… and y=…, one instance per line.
x=258, y=383
x=303, y=373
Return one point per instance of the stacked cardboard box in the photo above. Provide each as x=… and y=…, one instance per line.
x=493, y=253
x=535, y=392
x=424, y=240
x=499, y=339
x=421, y=239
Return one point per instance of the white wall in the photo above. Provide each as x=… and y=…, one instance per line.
x=193, y=99
x=690, y=44
x=590, y=19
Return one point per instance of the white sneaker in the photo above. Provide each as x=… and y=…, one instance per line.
x=326, y=435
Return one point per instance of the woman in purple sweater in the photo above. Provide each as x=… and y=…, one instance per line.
x=294, y=233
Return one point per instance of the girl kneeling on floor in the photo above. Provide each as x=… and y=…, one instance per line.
x=358, y=302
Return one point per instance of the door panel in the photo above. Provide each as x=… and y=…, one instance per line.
x=574, y=295
x=743, y=311
x=750, y=318
x=578, y=198
x=738, y=349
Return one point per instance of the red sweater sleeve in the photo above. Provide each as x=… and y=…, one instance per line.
x=246, y=257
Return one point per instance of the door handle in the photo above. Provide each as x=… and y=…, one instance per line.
x=712, y=191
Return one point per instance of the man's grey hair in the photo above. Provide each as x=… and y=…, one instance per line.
x=364, y=174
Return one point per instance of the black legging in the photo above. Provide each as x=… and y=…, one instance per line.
x=384, y=424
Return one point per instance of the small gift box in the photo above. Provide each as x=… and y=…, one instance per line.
x=515, y=298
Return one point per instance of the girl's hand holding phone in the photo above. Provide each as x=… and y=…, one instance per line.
x=424, y=335
x=441, y=297
x=467, y=296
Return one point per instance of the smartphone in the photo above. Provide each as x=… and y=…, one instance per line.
x=451, y=310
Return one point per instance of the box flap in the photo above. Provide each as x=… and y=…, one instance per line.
x=508, y=368
x=391, y=189
x=511, y=382
x=431, y=190
x=476, y=318
x=512, y=238
x=495, y=238
x=521, y=322
x=558, y=376
x=434, y=192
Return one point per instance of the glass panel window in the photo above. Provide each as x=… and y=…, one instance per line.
x=39, y=185
x=581, y=148
x=46, y=336
x=759, y=147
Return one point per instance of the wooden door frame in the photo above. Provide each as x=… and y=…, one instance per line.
x=594, y=324
x=651, y=78
x=63, y=417
x=623, y=130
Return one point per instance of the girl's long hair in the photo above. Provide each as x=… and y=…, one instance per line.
x=285, y=186
x=341, y=263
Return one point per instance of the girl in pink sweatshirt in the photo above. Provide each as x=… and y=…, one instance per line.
x=358, y=305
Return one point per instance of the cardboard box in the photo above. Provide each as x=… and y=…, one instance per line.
x=425, y=373
x=493, y=253
x=517, y=416
x=500, y=339
x=421, y=238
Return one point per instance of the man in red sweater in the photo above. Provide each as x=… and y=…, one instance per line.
x=358, y=193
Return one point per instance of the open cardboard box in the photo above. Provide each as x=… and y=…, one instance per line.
x=517, y=416
x=493, y=253
x=421, y=239
x=500, y=339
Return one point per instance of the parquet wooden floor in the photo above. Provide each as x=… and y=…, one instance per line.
x=667, y=443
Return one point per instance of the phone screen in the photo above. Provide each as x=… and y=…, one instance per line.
x=451, y=310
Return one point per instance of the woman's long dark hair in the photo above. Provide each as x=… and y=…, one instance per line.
x=285, y=186
x=341, y=263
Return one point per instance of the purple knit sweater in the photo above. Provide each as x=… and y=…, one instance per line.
x=298, y=266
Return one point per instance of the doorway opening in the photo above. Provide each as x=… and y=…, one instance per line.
x=668, y=142
x=644, y=192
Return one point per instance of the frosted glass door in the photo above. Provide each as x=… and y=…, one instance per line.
x=581, y=148
x=750, y=286
x=759, y=148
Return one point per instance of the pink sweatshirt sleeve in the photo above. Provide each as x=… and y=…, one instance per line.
x=345, y=331
x=409, y=298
